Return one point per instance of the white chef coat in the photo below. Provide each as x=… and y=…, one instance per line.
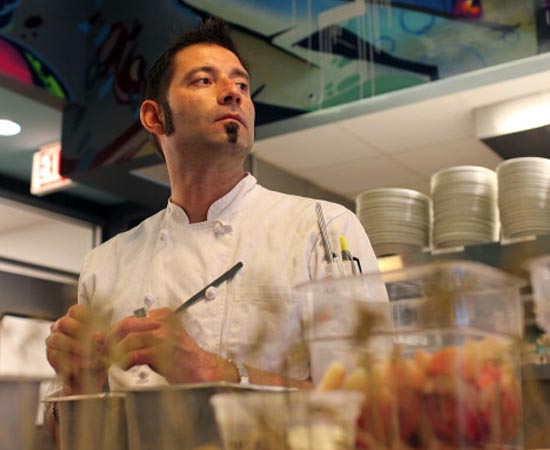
x=252, y=318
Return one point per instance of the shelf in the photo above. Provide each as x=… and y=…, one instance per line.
x=508, y=255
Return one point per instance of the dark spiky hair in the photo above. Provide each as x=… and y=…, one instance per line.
x=212, y=31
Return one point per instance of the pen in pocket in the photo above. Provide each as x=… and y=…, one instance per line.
x=348, y=256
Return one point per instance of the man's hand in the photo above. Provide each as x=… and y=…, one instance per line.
x=75, y=349
x=161, y=342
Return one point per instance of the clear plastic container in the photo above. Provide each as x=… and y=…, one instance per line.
x=292, y=421
x=438, y=363
x=539, y=271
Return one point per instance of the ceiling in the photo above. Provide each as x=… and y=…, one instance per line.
x=401, y=138
x=398, y=139
x=39, y=114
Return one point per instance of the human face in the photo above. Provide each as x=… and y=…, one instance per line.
x=209, y=102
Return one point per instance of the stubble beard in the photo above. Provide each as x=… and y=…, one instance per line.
x=232, y=131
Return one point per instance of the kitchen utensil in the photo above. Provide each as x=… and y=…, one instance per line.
x=226, y=276
x=92, y=422
x=19, y=396
x=178, y=416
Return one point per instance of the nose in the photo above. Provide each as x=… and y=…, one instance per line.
x=230, y=93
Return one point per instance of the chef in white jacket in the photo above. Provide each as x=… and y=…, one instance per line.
x=199, y=110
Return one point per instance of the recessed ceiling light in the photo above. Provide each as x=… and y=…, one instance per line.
x=9, y=128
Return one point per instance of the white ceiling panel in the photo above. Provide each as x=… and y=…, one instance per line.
x=427, y=161
x=360, y=175
x=411, y=126
x=312, y=147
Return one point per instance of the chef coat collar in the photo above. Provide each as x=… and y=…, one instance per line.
x=219, y=206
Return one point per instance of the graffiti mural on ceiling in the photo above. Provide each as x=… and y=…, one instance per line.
x=307, y=55
x=117, y=65
x=19, y=61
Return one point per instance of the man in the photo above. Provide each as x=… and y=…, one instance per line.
x=199, y=110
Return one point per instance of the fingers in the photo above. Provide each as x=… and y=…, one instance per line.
x=80, y=313
x=155, y=319
x=145, y=340
x=66, y=354
x=121, y=352
x=140, y=353
x=162, y=314
x=120, y=330
x=68, y=326
x=167, y=318
x=78, y=323
x=144, y=356
x=66, y=343
x=73, y=333
x=75, y=370
x=135, y=341
x=74, y=346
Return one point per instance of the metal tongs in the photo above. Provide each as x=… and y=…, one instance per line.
x=330, y=256
x=226, y=276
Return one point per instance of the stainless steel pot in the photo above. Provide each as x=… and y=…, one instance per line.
x=92, y=422
x=18, y=410
x=177, y=417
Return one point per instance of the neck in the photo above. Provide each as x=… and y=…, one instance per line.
x=196, y=190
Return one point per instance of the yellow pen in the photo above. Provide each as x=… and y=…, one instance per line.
x=346, y=254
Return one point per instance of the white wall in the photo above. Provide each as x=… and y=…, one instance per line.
x=42, y=238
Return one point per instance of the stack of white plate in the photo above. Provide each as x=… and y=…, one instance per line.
x=524, y=196
x=397, y=220
x=464, y=206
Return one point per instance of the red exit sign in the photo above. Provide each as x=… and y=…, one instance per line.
x=46, y=166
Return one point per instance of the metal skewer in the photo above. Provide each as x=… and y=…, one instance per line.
x=329, y=254
x=226, y=276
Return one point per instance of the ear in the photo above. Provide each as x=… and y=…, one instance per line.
x=151, y=117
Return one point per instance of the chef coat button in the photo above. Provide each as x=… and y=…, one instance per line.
x=163, y=235
x=219, y=229
x=143, y=375
x=149, y=300
x=211, y=293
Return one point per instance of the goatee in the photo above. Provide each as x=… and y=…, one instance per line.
x=232, y=130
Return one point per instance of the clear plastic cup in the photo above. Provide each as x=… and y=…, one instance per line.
x=305, y=420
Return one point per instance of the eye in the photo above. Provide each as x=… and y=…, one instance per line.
x=203, y=81
x=243, y=86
